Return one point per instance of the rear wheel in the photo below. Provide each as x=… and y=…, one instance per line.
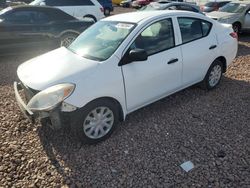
x=96, y=121
x=213, y=76
x=106, y=12
x=90, y=17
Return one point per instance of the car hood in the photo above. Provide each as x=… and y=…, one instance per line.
x=58, y=66
x=217, y=14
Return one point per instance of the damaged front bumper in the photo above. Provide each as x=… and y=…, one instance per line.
x=57, y=117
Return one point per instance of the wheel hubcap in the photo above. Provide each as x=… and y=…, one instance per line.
x=215, y=75
x=67, y=41
x=98, y=122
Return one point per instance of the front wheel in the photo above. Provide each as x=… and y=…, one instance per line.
x=213, y=76
x=96, y=121
x=67, y=39
x=237, y=28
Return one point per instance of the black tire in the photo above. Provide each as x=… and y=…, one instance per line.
x=106, y=11
x=67, y=38
x=90, y=17
x=80, y=117
x=206, y=83
x=237, y=28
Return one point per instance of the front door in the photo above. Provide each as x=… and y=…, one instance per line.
x=147, y=81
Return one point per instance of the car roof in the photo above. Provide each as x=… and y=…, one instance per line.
x=136, y=17
x=33, y=7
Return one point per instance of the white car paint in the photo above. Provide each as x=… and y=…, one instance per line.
x=139, y=83
x=242, y=17
x=79, y=12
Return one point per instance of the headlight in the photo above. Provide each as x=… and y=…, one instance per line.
x=50, y=97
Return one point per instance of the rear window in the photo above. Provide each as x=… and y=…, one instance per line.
x=187, y=8
x=211, y=4
x=57, y=15
x=193, y=29
x=222, y=3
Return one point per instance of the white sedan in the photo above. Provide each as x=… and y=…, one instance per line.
x=121, y=64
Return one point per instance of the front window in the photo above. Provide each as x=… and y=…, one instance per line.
x=233, y=8
x=156, y=38
x=101, y=40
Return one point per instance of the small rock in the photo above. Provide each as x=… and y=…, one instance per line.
x=221, y=154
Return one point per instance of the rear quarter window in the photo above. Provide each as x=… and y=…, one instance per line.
x=193, y=28
x=206, y=27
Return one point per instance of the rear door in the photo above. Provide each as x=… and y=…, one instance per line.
x=83, y=8
x=199, y=48
x=159, y=75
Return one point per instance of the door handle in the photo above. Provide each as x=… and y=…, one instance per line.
x=212, y=47
x=173, y=61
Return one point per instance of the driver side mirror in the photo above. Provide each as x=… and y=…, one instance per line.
x=138, y=55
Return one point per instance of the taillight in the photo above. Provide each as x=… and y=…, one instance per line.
x=234, y=35
x=102, y=10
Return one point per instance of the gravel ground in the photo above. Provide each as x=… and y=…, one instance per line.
x=211, y=129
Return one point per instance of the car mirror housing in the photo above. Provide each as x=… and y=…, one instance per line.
x=138, y=55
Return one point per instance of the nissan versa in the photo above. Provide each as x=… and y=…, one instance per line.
x=119, y=65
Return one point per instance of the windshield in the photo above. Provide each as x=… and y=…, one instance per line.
x=37, y=2
x=233, y=8
x=2, y=12
x=101, y=40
